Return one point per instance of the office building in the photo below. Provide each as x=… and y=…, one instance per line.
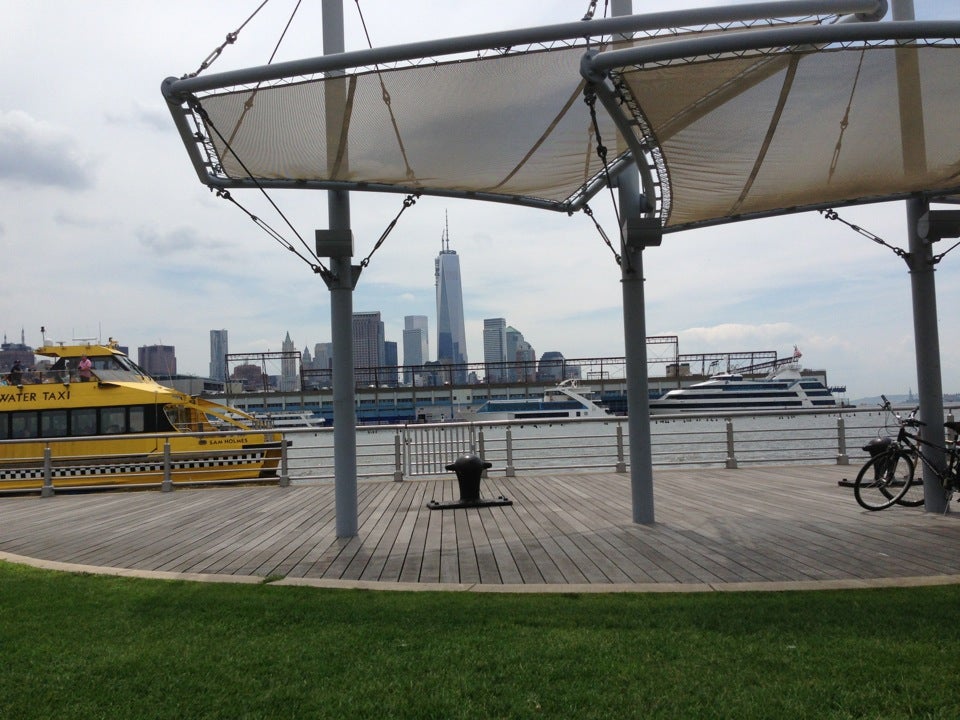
x=368, y=349
x=521, y=356
x=451, y=335
x=388, y=376
x=218, y=355
x=554, y=367
x=159, y=361
x=495, y=349
x=416, y=346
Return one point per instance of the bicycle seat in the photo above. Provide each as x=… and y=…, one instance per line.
x=878, y=445
x=952, y=425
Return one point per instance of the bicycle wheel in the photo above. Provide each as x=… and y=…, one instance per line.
x=883, y=480
x=913, y=497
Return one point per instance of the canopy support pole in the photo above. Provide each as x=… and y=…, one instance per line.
x=635, y=352
x=337, y=244
x=926, y=336
x=632, y=207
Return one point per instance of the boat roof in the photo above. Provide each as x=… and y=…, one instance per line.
x=79, y=350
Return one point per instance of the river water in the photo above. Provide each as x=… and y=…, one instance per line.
x=798, y=438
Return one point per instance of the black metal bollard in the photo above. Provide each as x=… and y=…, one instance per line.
x=469, y=470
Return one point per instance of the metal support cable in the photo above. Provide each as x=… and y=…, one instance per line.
x=318, y=266
x=592, y=8
x=248, y=104
x=830, y=214
x=590, y=98
x=589, y=213
x=937, y=258
x=231, y=38
x=407, y=202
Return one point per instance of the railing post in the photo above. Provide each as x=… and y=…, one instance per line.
x=284, y=465
x=511, y=471
x=731, y=454
x=167, y=484
x=842, y=457
x=480, y=448
x=621, y=458
x=397, y=458
x=47, y=489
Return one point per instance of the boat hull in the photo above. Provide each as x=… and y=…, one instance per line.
x=139, y=461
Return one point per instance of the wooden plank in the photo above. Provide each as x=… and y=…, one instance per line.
x=713, y=526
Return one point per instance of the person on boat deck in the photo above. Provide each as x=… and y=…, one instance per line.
x=84, y=369
x=16, y=373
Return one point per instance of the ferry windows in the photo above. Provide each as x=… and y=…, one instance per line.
x=83, y=421
x=23, y=425
x=113, y=421
x=53, y=423
x=137, y=420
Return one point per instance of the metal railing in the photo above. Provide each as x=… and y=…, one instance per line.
x=582, y=445
x=594, y=444
x=48, y=467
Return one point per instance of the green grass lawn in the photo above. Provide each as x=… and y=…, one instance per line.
x=80, y=646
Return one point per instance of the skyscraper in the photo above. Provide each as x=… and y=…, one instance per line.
x=288, y=365
x=495, y=349
x=160, y=361
x=368, y=350
x=520, y=352
x=416, y=345
x=218, y=353
x=451, y=336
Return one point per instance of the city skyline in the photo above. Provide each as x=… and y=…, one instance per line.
x=151, y=256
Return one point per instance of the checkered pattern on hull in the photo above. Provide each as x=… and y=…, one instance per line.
x=135, y=468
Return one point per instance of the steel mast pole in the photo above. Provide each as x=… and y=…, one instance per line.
x=923, y=289
x=635, y=336
x=338, y=245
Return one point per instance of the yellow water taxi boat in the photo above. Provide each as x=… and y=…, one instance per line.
x=94, y=418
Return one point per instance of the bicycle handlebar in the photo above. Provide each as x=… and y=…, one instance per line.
x=910, y=421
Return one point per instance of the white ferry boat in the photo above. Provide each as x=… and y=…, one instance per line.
x=562, y=401
x=288, y=420
x=784, y=388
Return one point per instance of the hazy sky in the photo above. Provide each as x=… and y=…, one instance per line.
x=106, y=230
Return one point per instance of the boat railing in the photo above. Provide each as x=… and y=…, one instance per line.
x=517, y=447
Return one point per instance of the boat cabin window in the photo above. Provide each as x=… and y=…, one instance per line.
x=23, y=425
x=113, y=420
x=115, y=368
x=83, y=421
x=53, y=423
x=185, y=419
x=79, y=422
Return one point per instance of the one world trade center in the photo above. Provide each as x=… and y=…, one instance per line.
x=451, y=336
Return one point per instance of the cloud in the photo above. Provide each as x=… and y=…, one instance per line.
x=33, y=152
x=178, y=241
x=139, y=114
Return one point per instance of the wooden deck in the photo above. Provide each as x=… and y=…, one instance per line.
x=764, y=527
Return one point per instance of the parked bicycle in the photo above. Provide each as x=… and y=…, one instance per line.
x=889, y=476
